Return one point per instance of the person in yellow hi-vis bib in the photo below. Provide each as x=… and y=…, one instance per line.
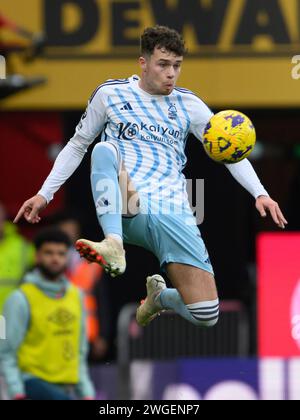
x=44, y=356
x=16, y=256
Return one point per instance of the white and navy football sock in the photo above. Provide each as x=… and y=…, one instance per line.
x=206, y=314
x=202, y=314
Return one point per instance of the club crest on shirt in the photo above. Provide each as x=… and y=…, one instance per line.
x=172, y=112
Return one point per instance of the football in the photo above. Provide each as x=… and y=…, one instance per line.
x=229, y=137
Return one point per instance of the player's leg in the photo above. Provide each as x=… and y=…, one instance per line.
x=184, y=257
x=195, y=296
x=105, y=171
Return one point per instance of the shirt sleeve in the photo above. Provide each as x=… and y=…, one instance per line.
x=244, y=173
x=16, y=314
x=89, y=127
x=200, y=116
x=94, y=118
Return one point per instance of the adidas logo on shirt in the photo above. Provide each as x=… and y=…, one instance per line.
x=127, y=107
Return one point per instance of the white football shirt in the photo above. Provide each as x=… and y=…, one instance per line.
x=151, y=133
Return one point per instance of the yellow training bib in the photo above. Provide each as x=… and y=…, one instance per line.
x=51, y=349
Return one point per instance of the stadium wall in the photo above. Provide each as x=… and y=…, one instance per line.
x=206, y=379
x=242, y=52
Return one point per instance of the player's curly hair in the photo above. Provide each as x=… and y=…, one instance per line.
x=162, y=37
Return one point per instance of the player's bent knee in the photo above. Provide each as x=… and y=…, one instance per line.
x=204, y=314
x=104, y=153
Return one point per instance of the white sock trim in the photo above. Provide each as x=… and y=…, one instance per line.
x=204, y=305
x=205, y=314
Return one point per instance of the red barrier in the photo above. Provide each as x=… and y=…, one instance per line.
x=279, y=294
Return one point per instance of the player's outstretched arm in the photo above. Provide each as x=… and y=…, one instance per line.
x=66, y=163
x=265, y=204
x=31, y=209
x=68, y=160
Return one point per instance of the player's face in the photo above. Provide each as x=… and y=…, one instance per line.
x=52, y=259
x=160, y=72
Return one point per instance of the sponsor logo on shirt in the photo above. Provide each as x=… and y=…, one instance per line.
x=143, y=131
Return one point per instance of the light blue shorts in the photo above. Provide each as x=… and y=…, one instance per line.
x=169, y=238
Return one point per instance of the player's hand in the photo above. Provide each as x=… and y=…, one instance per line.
x=31, y=209
x=264, y=204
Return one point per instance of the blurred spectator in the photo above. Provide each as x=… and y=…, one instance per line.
x=44, y=354
x=16, y=256
x=87, y=277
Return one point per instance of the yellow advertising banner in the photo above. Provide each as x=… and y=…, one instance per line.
x=242, y=53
